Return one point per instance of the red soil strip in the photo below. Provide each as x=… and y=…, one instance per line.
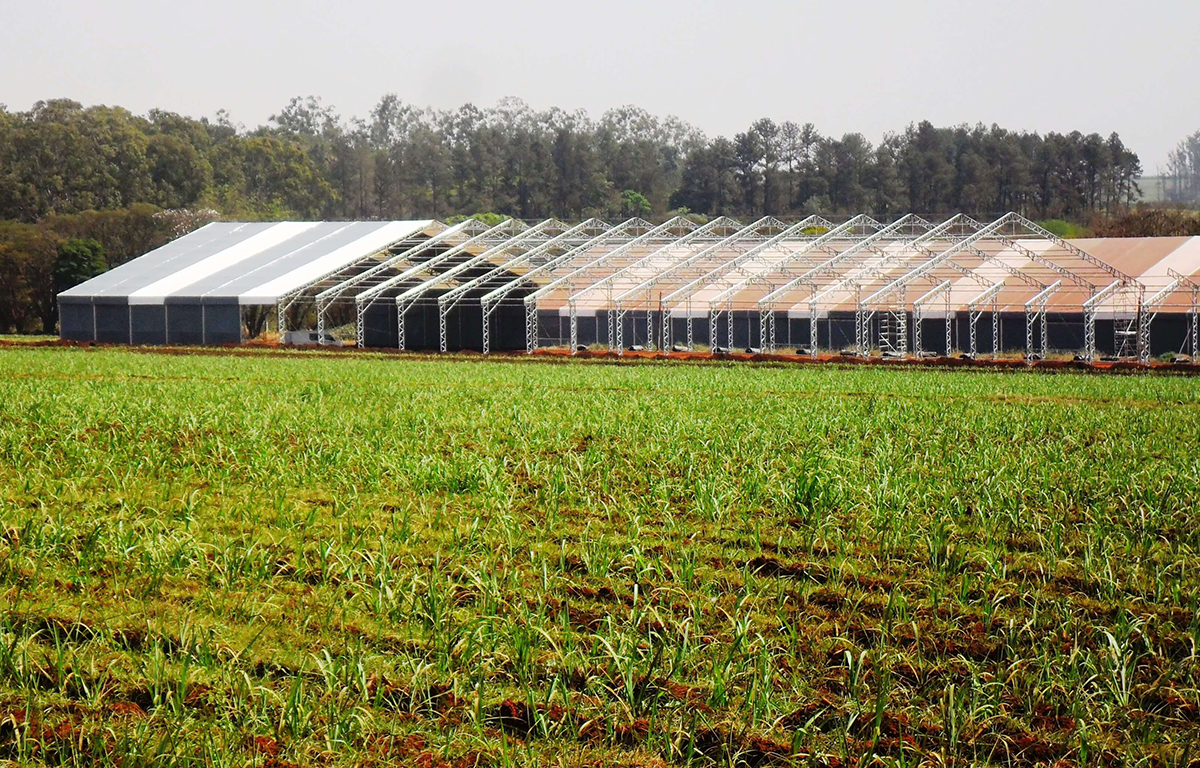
x=260, y=348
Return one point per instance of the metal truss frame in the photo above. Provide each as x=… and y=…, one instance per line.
x=406, y=299
x=942, y=289
x=1150, y=310
x=326, y=298
x=769, y=265
x=1035, y=313
x=737, y=242
x=993, y=231
x=566, y=240
x=587, y=270
x=989, y=297
x=287, y=300
x=768, y=304
x=737, y=265
x=500, y=233
x=620, y=234
x=723, y=300
x=702, y=234
x=918, y=247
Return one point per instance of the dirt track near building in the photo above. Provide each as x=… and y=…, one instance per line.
x=634, y=357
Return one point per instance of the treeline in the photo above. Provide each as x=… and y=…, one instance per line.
x=1181, y=182
x=791, y=170
x=34, y=257
x=406, y=162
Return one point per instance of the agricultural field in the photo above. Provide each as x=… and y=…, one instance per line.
x=278, y=559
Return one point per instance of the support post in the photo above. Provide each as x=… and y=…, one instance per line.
x=531, y=332
x=729, y=325
x=486, y=313
x=996, y=327
x=813, y=338
x=400, y=326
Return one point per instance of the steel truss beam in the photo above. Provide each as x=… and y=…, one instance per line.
x=532, y=236
x=701, y=235
x=1035, y=312
x=467, y=228
x=991, y=295
x=1089, y=318
x=489, y=237
x=759, y=276
x=994, y=232
x=768, y=303
x=738, y=242
x=591, y=269
x=942, y=289
x=1150, y=310
x=964, y=245
x=536, y=257
x=622, y=233
x=800, y=232
x=286, y=301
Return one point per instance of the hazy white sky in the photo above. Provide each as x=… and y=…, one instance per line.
x=1091, y=65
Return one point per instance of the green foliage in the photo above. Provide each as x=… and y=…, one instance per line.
x=78, y=260
x=1154, y=222
x=488, y=219
x=27, y=254
x=1065, y=229
x=634, y=203
x=288, y=559
x=404, y=162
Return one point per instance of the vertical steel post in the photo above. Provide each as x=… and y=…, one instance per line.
x=485, y=310
x=996, y=327
x=531, y=330
x=949, y=326
x=729, y=324
x=399, y=326
x=813, y=339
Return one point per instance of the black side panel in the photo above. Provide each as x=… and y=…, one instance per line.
x=1168, y=333
x=149, y=323
x=184, y=324
x=222, y=324
x=112, y=323
x=507, y=329
x=464, y=328
x=379, y=326
x=421, y=328
x=75, y=322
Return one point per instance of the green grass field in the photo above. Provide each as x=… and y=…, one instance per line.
x=279, y=559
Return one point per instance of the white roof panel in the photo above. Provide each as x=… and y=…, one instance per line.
x=332, y=261
x=156, y=292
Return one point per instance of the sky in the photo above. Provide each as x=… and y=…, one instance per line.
x=870, y=67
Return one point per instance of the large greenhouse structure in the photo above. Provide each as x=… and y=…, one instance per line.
x=904, y=288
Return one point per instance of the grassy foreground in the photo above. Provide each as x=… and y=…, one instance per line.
x=283, y=559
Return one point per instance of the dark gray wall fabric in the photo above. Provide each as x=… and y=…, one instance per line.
x=149, y=323
x=379, y=325
x=112, y=323
x=222, y=323
x=75, y=321
x=184, y=324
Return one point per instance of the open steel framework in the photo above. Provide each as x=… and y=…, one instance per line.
x=768, y=285
x=909, y=288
